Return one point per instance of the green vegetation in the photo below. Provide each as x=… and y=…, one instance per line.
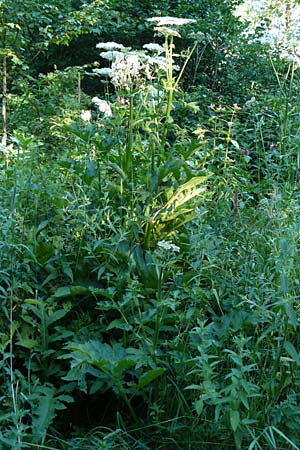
x=150, y=207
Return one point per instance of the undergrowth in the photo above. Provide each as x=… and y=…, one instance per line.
x=149, y=262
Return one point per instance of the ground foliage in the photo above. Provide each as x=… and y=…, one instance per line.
x=149, y=276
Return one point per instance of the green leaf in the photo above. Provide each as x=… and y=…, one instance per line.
x=26, y=342
x=235, y=144
x=41, y=227
x=68, y=271
x=43, y=251
x=291, y=350
x=234, y=419
x=57, y=315
x=284, y=283
x=199, y=406
x=149, y=376
x=119, y=324
x=70, y=291
x=291, y=313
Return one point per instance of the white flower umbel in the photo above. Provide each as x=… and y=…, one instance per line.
x=172, y=21
x=110, y=46
x=154, y=48
x=160, y=62
x=125, y=70
x=105, y=72
x=111, y=55
x=168, y=245
x=86, y=115
x=167, y=31
x=103, y=106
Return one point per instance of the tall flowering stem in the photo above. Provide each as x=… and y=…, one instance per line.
x=169, y=84
x=167, y=26
x=129, y=143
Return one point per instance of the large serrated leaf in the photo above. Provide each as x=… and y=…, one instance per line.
x=184, y=193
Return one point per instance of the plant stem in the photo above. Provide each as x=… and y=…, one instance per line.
x=159, y=309
x=129, y=143
x=4, y=94
x=169, y=86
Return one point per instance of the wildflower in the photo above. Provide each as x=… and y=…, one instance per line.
x=110, y=46
x=123, y=100
x=167, y=31
x=103, y=106
x=168, y=245
x=250, y=103
x=111, y=55
x=198, y=36
x=200, y=132
x=153, y=92
x=160, y=61
x=167, y=20
x=86, y=115
x=105, y=71
x=245, y=151
x=125, y=70
x=154, y=48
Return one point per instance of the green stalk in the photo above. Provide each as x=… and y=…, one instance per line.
x=159, y=309
x=148, y=230
x=4, y=90
x=129, y=143
x=79, y=87
x=171, y=83
x=184, y=65
x=169, y=86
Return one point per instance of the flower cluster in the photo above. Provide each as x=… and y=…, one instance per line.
x=165, y=25
x=168, y=245
x=103, y=106
x=171, y=21
x=130, y=68
x=126, y=70
x=110, y=46
x=86, y=115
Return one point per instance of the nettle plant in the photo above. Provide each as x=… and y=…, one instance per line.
x=138, y=140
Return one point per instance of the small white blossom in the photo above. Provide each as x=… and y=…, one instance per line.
x=86, y=115
x=168, y=245
x=110, y=46
x=103, y=106
x=154, y=48
x=167, y=20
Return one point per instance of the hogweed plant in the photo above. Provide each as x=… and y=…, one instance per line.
x=146, y=77
x=145, y=83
